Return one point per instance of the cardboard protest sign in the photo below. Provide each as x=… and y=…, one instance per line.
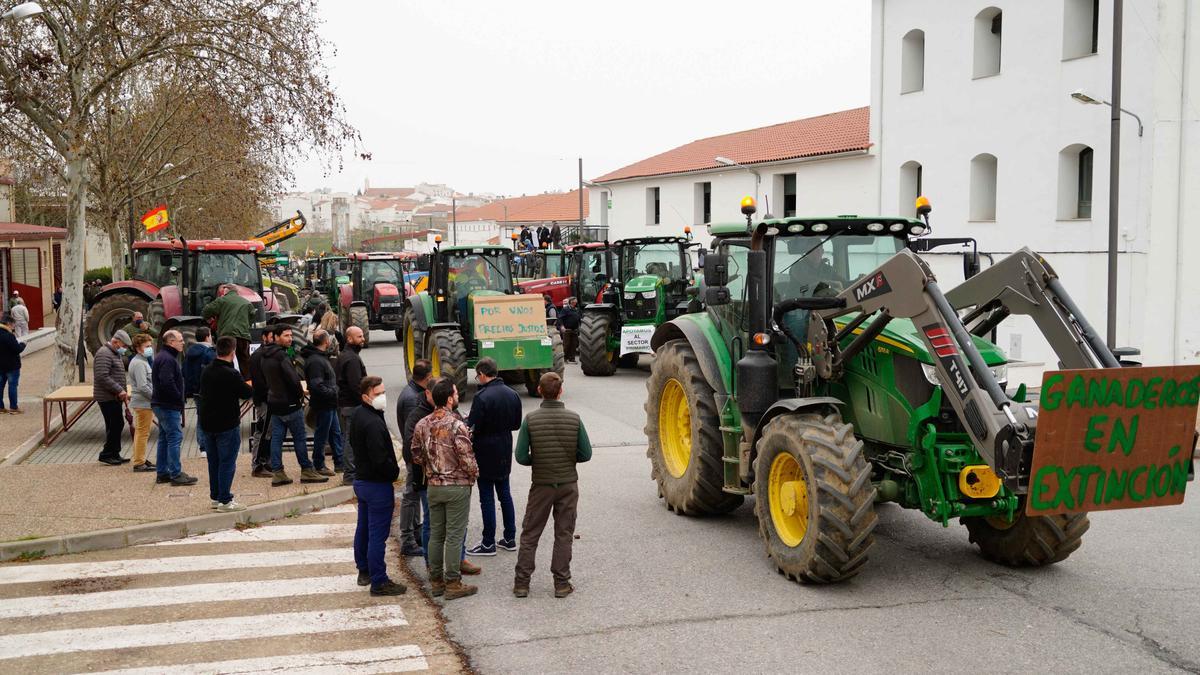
x=1113, y=438
x=509, y=317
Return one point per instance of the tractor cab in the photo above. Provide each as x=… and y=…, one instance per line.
x=579, y=270
x=203, y=267
x=653, y=274
x=332, y=272
x=468, y=272
x=155, y=261
x=373, y=296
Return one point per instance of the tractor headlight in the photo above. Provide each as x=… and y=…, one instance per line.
x=650, y=295
x=999, y=372
x=631, y=296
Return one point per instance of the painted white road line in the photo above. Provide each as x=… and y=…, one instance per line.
x=340, y=508
x=402, y=658
x=17, y=574
x=270, y=533
x=255, y=626
x=176, y=595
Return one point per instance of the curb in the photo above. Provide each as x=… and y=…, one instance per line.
x=147, y=533
x=39, y=340
x=22, y=453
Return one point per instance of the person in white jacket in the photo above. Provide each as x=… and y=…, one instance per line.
x=142, y=391
x=20, y=314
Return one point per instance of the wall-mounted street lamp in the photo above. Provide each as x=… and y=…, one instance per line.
x=22, y=11
x=1085, y=98
x=757, y=176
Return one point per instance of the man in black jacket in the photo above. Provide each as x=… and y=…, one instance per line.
x=260, y=441
x=223, y=390
x=323, y=399
x=410, y=503
x=350, y=373
x=495, y=415
x=568, y=323
x=285, y=401
x=377, y=471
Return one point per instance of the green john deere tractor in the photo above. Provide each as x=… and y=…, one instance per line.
x=652, y=284
x=829, y=373
x=441, y=324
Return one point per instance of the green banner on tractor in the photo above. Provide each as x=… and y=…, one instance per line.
x=528, y=354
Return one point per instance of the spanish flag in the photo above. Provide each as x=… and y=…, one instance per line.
x=156, y=219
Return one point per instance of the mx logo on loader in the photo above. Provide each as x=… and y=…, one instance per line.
x=876, y=285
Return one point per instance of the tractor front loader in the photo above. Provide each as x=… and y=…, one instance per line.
x=829, y=373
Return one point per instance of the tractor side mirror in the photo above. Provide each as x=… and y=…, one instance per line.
x=970, y=264
x=716, y=269
x=716, y=295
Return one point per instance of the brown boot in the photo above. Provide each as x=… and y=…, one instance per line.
x=468, y=567
x=311, y=476
x=455, y=589
x=563, y=590
x=437, y=586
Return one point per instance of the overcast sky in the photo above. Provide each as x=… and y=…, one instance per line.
x=490, y=96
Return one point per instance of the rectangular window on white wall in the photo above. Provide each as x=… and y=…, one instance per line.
x=1081, y=28
x=702, y=203
x=912, y=61
x=605, y=200
x=983, y=187
x=653, y=208
x=789, y=195
x=1075, y=182
x=988, y=32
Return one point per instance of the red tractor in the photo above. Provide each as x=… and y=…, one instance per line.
x=154, y=263
x=579, y=270
x=374, y=298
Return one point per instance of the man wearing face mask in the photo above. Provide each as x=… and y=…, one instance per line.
x=350, y=373
x=373, y=486
x=108, y=390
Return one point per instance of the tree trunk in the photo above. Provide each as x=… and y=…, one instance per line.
x=117, y=243
x=70, y=315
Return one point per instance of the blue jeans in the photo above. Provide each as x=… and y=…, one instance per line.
x=222, y=462
x=280, y=425
x=12, y=377
x=489, y=490
x=329, y=428
x=170, y=439
x=425, y=528
x=200, y=439
x=376, y=502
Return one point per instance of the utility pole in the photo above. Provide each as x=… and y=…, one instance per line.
x=454, y=218
x=581, y=199
x=1114, y=174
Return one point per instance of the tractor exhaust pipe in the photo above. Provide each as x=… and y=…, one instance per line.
x=757, y=371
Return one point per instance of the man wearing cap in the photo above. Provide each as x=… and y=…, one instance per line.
x=108, y=390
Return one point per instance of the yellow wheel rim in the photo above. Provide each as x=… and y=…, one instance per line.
x=435, y=361
x=675, y=428
x=1000, y=522
x=787, y=493
x=410, y=348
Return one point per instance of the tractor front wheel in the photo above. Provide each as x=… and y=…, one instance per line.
x=1028, y=541
x=412, y=339
x=683, y=430
x=448, y=357
x=359, y=317
x=595, y=357
x=534, y=375
x=814, y=498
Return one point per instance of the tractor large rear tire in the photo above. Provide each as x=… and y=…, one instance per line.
x=534, y=375
x=814, y=498
x=448, y=356
x=595, y=358
x=110, y=315
x=1029, y=541
x=684, y=435
x=413, y=341
x=359, y=317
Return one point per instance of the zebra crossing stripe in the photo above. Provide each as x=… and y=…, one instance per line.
x=396, y=659
x=18, y=574
x=271, y=533
x=255, y=626
x=103, y=601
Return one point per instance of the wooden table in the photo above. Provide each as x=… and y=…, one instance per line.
x=79, y=393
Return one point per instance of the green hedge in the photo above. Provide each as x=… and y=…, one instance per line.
x=104, y=274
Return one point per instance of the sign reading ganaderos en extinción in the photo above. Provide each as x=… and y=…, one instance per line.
x=509, y=317
x=1113, y=438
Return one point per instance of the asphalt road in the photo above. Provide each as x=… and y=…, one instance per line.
x=660, y=592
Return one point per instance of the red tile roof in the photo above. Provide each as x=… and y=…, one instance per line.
x=23, y=232
x=397, y=192
x=822, y=135
x=401, y=204
x=536, y=208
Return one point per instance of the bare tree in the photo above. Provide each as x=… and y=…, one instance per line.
x=263, y=57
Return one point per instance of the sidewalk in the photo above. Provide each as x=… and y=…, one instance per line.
x=35, y=379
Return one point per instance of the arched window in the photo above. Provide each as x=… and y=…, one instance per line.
x=983, y=187
x=910, y=188
x=1081, y=28
x=987, y=42
x=1075, y=182
x=912, y=61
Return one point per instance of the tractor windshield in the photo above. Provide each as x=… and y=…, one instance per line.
x=824, y=266
x=662, y=260
x=551, y=265
x=214, y=268
x=381, y=271
x=154, y=265
x=474, y=271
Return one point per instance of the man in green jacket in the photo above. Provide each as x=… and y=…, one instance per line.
x=234, y=315
x=552, y=440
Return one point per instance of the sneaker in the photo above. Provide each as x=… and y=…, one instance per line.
x=144, y=467
x=262, y=472
x=520, y=591
x=563, y=591
x=213, y=504
x=111, y=461
x=15, y=411
x=481, y=550
x=456, y=589
x=325, y=471
x=507, y=544
x=230, y=506
x=389, y=588
x=203, y=454
x=468, y=567
x=280, y=477
x=412, y=551
x=183, y=479
x=364, y=578
x=162, y=478
x=311, y=476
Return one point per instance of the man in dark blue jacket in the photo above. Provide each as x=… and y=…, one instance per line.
x=167, y=403
x=197, y=357
x=495, y=415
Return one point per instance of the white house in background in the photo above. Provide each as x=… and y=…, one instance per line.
x=971, y=105
x=815, y=166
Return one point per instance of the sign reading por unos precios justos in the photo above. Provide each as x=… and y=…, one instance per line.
x=1113, y=438
x=509, y=317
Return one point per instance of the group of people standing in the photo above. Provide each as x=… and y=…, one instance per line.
x=541, y=237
